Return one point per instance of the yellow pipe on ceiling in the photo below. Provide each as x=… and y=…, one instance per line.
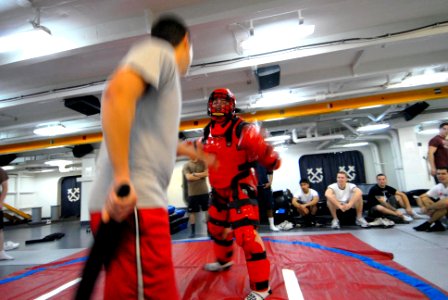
x=262, y=115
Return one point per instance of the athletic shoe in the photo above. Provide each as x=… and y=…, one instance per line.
x=335, y=224
x=274, y=228
x=438, y=226
x=377, y=222
x=217, y=267
x=4, y=256
x=288, y=226
x=419, y=216
x=387, y=223
x=423, y=227
x=9, y=245
x=407, y=218
x=256, y=295
x=282, y=225
x=362, y=222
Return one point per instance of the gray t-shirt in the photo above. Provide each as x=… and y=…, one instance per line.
x=155, y=129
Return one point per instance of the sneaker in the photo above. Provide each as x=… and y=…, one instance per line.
x=274, y=228
x=217, y=267
x=9, y=245
x=419, y=216
x=387, y=223
x=4, y=256
x=362, y=222
x=438, y=226
x=335, y=224
x=288, y=226
x=377, y=222
x=191, y=236
x=423, y=227
x=256, y=295
x=407, y=218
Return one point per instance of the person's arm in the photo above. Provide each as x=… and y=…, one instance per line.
x=117, y=115
x=295, y=202
x=194, y=150
x=431, y=159
x=4, y=192
x=356, y=194
x=313, y=201
x=331, y=196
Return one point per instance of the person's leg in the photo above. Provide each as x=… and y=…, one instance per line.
x=153, y=243
x=359, y=203
x=404, y=203
x=3, y=255
x=193, y=208
x=332, y=208
x=269, y=200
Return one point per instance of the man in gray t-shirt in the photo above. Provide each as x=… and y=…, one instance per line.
x=140, y=117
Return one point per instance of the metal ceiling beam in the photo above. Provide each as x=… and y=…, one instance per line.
x=427, y=94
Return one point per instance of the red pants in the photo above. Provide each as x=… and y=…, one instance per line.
x=155, y=255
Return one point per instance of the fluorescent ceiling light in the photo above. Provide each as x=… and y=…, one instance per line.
x=282, y=148
x=277, y=98
x=58, y=162
x=24, y=40
x=423, y=79
x=429, y=131
x=278, y=138
x=274, y=119
x=373, y=127
x=280, y=35
x=7, y=168
x=371, y=106
x=193, y=129
x=50, y=130
x=359, y=144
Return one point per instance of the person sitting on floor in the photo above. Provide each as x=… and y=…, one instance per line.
x=385, y=200
x=344, y=196
x=435, y=209
x=305, y=202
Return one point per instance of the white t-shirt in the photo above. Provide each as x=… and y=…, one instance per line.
x=438, y=192
x=305, y=198
x=344, y=195
x=153, y=142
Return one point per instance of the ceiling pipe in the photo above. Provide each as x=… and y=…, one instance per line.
x=350, y=128
x=297, y=140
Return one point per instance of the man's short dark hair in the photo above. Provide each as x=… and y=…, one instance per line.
x=442, y=168
x=304, y=180
x=443, y=124
x=381, y=174
x=170, y=28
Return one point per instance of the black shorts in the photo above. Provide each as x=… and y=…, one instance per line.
x=1, y=219
x=347, y=217
x=265, y=196
x=198, y=201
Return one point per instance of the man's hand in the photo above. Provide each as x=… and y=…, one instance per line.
x=267, y=185
x=119, y=208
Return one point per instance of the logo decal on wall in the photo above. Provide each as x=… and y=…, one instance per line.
x=73, y=194
x=315, y=177
x=351, y=172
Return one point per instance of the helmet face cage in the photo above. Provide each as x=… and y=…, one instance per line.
x=227, y=110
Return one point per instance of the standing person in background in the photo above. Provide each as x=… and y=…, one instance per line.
x=195, y=171
x=4, y=185
x=140, y=118
x=264, y=192
x=305, y=201
x=438, y=150
x=233, y=211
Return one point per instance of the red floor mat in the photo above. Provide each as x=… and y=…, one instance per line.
x=330, y=266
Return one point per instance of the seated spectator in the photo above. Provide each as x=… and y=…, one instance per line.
x=435, y=209
x=344, y=197
x=385, y=200
x=305, y=202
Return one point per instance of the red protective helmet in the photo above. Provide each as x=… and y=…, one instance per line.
x=226, y=110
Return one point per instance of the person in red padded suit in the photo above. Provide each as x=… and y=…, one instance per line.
x=233, y=211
